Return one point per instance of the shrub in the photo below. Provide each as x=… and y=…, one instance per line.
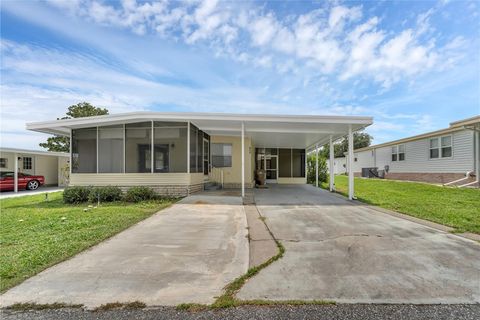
x=105, y=194
x=137, y=194
x=322, y=169
x=76, y=194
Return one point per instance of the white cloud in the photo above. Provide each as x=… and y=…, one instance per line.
x=334, y=39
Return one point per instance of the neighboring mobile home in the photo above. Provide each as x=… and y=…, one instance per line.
x=441, y=156
x=190, y=149
x=52, y=165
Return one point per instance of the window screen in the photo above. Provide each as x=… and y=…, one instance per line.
x=110, y=149
x=84, y=150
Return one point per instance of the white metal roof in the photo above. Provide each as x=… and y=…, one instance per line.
x=280, y=131
x=36, y=152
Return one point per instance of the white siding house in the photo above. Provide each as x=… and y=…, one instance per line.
x=441, y=156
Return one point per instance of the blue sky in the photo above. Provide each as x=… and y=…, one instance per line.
x=413, y=66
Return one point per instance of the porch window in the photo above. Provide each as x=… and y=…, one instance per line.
x=138, y=147
x=3, y=162
x=84, y=150
x=110, y=149
x=221, y=155
x=170, y=146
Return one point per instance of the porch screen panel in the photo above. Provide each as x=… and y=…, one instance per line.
x=200, y=151
x=194, y=149
x=298, y=163
x=138, y=147
x=84, y=150
x=285, y=163
x=170, y=151
x=110, y=149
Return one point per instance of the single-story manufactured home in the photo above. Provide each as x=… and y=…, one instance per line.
x=177, y=153
x=53, y=166
x=447, y=156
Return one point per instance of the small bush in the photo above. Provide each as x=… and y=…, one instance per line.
x=76, y=194
x=105, y=194
x=137, y=194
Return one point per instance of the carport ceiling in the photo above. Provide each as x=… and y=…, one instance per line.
x=276, y=131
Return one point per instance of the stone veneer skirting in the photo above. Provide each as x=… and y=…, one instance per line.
x=173, y=190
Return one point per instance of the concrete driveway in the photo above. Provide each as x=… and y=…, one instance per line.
x=186, y=253
x=353, y=254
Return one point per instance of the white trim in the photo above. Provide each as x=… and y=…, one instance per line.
x=71, y=152
x=35, y=152
x=183, y=116
x=97, y=150
x=188, y=146
x=316, y=164
x=350, y=164
x=124, y=149
x=152, y=150
x=243, y=160
x=332, y=163
x=15, y=173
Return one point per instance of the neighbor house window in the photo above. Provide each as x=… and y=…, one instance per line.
x=441, y=147
x=394, y=153
x=398, y=153
x=3, y=162
x=221, y=155
x=27, y=163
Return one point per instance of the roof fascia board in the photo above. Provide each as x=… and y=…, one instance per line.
x=200, y=116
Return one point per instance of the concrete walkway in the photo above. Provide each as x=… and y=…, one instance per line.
x=20, y=193
x=354, y=254
x=186, y=253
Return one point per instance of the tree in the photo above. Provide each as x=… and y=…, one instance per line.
x=80, y=110
x=311, y=168
x=360, y=140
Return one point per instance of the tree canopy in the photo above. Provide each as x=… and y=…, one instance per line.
x=80, y=110
x=360, y=140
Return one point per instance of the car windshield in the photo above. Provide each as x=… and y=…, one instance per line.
x=6, y=174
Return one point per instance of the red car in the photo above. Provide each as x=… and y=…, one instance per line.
x=25, y=181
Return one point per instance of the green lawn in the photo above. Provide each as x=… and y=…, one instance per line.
x=458, y=208
x=36, y=234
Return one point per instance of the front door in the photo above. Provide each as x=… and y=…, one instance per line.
x=271, y=165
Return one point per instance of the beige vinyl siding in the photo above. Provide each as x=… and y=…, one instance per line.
x=233, y=174
x=46, y=166
x=135, y=179
x=417, y=156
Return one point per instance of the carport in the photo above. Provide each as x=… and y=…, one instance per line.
x=52, y=165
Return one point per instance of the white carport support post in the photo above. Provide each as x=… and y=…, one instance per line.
x=15, y=173
x=332, y=176
x=243, y=160
x=477, y=157
x=350, y=162
x=316, y=165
